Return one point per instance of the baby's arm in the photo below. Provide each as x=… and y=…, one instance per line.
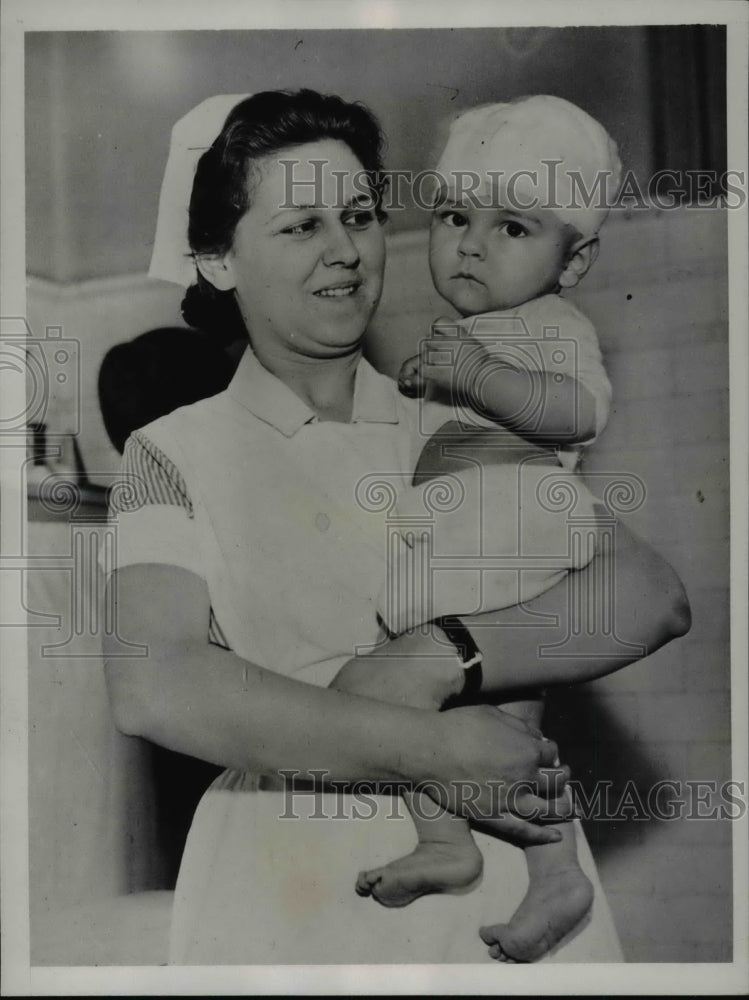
x=566, y=415
x=552, y=390
x=549, y=408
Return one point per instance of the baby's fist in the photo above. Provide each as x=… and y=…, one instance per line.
x=449, y=358
x=410, y=381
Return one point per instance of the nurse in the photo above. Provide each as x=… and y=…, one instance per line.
x=252, y=576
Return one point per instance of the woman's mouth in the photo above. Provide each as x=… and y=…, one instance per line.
x=337, y=291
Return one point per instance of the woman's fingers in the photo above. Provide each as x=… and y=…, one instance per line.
x=556, y=762
x=553, y=781
x=542, y=809
x=544, y=800
x=521, y=832
x=549, y=756
x=517, y=723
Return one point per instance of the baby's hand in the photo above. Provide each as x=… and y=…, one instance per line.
x=412, y=378
x=410, y=382
x=448, y=358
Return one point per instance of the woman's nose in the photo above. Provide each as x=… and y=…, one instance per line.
x=340, y=249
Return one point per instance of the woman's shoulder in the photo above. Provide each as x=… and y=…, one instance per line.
x=162, y=453
x=195, y=420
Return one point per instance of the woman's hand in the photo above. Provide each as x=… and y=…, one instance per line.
x=501, y=774
x=487, y=764
x=195, y=698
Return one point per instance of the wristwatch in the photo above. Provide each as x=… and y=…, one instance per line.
x=469, y=654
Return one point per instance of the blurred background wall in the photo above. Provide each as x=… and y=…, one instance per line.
x=100, y=107
x=102, y=104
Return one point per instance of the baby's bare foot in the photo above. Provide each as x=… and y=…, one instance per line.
x=552, y=906
x=431, y=867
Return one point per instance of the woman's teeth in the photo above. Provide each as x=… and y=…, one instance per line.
x=337, y=293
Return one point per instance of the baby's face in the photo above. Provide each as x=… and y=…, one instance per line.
x=486, y=259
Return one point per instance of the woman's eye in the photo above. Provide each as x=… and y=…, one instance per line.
x=359, y=219
x=303, y=228
x=514, y=229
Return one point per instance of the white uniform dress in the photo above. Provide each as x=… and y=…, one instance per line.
x=252, y=492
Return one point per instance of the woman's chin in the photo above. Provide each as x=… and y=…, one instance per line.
x=335, y=339
x=344, y=320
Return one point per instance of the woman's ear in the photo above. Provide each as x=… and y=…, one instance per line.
x=580, y=258
x=218, y=270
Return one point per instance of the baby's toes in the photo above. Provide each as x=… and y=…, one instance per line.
x=366, y=881
x=490, y=934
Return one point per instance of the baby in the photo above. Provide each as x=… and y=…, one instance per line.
x=525, y=362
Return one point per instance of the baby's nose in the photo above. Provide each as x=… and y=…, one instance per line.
x=471, y=246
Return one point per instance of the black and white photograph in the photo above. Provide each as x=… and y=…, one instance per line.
x=374, y=498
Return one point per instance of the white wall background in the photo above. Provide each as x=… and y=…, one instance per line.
x=101, y=106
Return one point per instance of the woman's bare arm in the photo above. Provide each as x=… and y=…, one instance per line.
x=642, y=602
x=198, y=699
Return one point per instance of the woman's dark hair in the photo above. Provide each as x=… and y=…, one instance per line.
x=259, y=126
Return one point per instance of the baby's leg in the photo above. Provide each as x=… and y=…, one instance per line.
x=484, y=535
x=559, y=893
x=445, y=859
x=559, y=896
x=453, y=448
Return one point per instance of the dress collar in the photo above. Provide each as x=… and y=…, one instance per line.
x=270, y=399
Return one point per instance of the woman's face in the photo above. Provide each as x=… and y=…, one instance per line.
x=308, y=256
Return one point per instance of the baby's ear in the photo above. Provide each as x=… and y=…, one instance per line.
x=580, y=258
x=218, y=270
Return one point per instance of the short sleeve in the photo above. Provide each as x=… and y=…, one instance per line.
x=575, y=352
x=155, y=522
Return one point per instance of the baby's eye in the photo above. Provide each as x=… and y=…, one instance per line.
x=304, y=228
x=514, y=229
x=456, y=220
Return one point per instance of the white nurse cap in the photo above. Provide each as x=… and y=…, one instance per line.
x=192, y=135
